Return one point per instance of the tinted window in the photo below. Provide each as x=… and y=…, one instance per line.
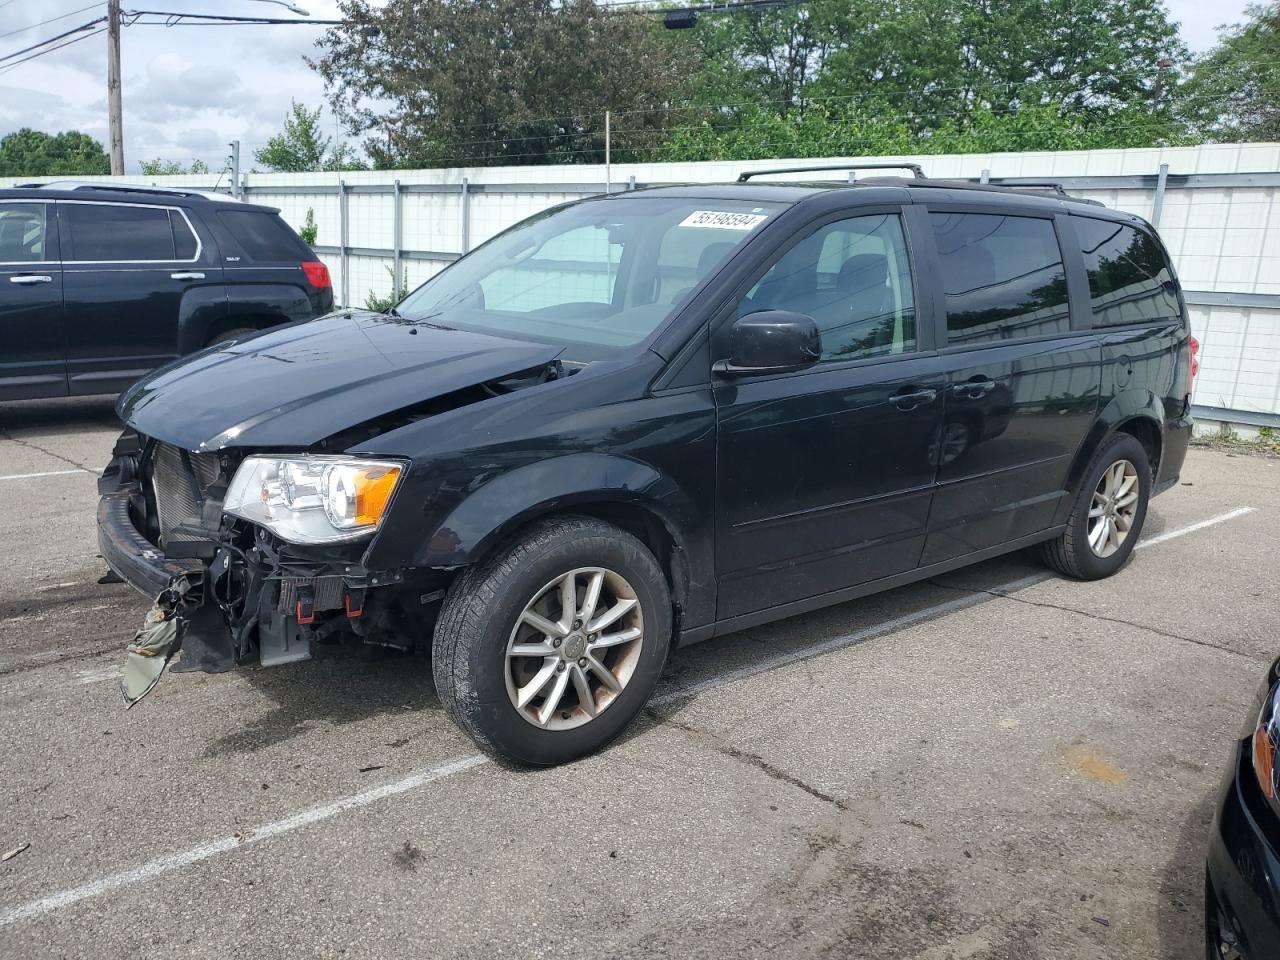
x=108, y=232
x=1129, y=280
x=854, y=278
x=22, y=232
x=184, y=241
x=264, y=236
x=1003, y=276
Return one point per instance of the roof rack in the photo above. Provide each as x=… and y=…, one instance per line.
x=1027, y=185
x=917, y=171
x=129, y=188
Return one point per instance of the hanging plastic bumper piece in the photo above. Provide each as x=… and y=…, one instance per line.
x=177, y=616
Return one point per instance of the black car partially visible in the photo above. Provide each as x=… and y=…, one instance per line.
x=100, y=283
x=1242, y=884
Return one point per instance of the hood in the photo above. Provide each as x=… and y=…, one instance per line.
x=294, y=386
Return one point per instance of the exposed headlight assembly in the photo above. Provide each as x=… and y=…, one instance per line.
x=313, y=499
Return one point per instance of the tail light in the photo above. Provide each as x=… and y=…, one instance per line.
x=1193, y=362
x=317, y=274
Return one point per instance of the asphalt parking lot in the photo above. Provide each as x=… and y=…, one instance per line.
x=998, y=764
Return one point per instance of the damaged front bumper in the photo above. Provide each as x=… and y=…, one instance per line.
x=252, y=597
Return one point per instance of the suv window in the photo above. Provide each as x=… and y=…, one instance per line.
x=854, y=278
x=1003, y=276
x=22, y=232
x=264, y=236
x=1129, y=279
x=101, y=231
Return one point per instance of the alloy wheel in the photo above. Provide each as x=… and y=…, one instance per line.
x=574, y=648
x=1114, y=508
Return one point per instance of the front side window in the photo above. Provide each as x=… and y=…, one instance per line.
x=853, y=277
x=1129, y=279
x=597, y=277
x=22, y=232
x=112, y=232
x=1003, y=277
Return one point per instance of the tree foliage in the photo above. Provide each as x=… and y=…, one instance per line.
x=1234, y=91
x=32, y=153
x=434, y=82
x=302, y=147
x=169, y=168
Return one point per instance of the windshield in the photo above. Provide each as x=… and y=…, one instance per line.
x=596, y=277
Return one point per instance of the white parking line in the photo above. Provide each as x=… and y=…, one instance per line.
x=176, y=861
x=47, y=473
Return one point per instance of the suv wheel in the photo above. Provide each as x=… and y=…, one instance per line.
x=238, y=333
x=1107, y=518
x=546, y=651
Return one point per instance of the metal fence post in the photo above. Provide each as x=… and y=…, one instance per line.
x=397, y=231
x=344, y=256
x=985, y=177
x=631, y=182
x=1157, y=206
x=466, y=215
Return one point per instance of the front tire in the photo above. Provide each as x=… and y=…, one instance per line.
x=546, y=651
x=1106, y=519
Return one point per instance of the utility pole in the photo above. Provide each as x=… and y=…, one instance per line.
x=113, y=87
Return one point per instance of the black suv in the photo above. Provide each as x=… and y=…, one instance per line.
x=101, y=283
x=651, y=418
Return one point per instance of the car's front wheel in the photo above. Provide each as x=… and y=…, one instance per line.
x=547, y=650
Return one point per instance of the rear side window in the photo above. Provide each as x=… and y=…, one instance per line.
x=264, y=236
x=112, y=232
x=1129, y=279
x=22, y=232
x=1003, y=277
x=184, y=241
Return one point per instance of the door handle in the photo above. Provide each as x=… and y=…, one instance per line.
x=973, y=389
x=28, y=278
x=187, y=276
x=909, y=398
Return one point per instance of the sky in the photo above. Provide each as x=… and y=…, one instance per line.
x=189, y=91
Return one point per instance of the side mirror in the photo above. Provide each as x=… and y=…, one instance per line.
x=771, y=341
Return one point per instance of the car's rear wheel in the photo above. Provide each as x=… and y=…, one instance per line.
x=238, y=333
x=1106, y=519
x=545, y=652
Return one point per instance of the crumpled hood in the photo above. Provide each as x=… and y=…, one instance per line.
x=294, y=386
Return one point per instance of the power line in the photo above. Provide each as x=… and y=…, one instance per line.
x=35, y=46
x=6, y=68
x=62, y=16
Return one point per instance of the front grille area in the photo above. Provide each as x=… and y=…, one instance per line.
x=180, y=480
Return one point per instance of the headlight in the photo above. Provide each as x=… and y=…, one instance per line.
x=1263, y=745
x=313, y=499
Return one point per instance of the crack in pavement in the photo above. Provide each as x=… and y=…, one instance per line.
x=6, y=435
x=708, y=739
x=1105, y=619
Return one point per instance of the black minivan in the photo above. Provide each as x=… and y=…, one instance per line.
x=101, y=283
x=647, y=419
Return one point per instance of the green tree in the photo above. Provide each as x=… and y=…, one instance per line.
x=302, y=147
x=1234, y=90
x=168, y=168
x=433, y=82
x=32, y=153
x=930, y=64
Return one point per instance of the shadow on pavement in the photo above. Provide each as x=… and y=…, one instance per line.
x=62, y=415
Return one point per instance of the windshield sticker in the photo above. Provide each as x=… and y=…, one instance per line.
x=720, y=220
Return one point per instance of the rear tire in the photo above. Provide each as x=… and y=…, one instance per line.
x=239, y=333
x=1106, y=519
x=520, y=670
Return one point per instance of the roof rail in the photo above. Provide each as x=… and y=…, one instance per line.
x=917, y=171
x=128, y=188
x=1005, y=185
